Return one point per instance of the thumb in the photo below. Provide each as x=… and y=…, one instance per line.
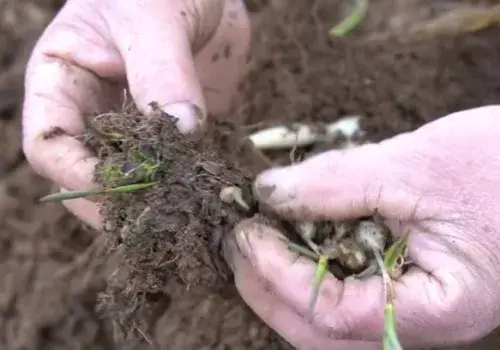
x=338, y=185
x=156, y=43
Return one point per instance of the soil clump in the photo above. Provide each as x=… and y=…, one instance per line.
x=171, y=232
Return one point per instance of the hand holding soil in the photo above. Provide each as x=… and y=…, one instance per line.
x=186, y=56
x=440, y=184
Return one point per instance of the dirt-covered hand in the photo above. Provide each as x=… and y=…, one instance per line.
x=185, y=55
x=441, y=183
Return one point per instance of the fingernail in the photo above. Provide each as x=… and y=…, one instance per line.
x=190, y=116
x=236, y=247
x=229, y=249
x=250, y=234
x=243, y=241
x=275, y=186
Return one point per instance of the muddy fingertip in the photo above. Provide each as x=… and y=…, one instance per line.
x=249, y=232
x=190, y=118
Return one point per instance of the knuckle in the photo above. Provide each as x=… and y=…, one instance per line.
x=202, y=19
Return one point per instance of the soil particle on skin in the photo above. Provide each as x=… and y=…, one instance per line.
x=256, y=5
x=54, y=132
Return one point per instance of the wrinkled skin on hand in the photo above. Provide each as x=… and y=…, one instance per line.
x=441, y=183
x=186, y=55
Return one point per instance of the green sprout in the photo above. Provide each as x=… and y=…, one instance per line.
x=391, y=340
x=139, y=167
x=148, y=165
x=352, y=21
x=62, y=196
x=389, y=263
x=394, y=256
x=390, y=267
x=112, y=173
x=137, y=173
x=321, y=268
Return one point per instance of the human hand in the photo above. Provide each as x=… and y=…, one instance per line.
x=94, y=49
x=441, y=183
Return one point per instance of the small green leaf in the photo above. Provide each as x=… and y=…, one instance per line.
x=391, y=340
x=395, y=252
x=352, y=21
x=130, y=188
x=321, y=271
x=62, y=196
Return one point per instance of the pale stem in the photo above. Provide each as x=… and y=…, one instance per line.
x=300, y=135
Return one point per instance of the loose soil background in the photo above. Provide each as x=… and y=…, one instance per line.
x=49, y=290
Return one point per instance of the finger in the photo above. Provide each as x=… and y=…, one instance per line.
x=220, y=64
x=52, y=118
x=353, y=309
x=158, y=54
x=278, y=315
x=85, y=210
x=336, y=315
x=63, y=83
x=344, y=184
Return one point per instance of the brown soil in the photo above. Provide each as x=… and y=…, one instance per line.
x=171, y=223
x=172, y=231
x=54, y=276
